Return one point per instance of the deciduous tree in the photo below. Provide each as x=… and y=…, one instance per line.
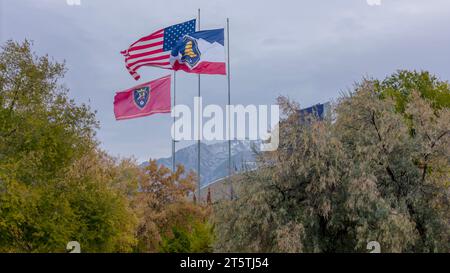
x=371, y=171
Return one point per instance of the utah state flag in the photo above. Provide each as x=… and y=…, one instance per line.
x=201, y=52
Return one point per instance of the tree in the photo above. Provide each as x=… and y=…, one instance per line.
x=169, y=221
x=100, y=190
x=401, y=85
x=410, y=169
x=334, y=185
x=55, y=184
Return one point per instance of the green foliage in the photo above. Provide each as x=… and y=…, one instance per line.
x=41, y=128
x=178, y=243
x=335, y=185
x=403, y=83
x=201, y=237
x=197, y=240
x=55, y=186
x=169, y=221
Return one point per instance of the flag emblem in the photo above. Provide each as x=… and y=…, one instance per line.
x=141, y=96
x=201, y=52
x=143, y=100
x=190, y=53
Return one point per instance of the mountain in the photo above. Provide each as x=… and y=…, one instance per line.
x=214, y=159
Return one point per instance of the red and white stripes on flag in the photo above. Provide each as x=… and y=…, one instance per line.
x=155, y=49
x=147, y=51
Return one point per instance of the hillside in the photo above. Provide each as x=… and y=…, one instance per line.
x=214, y=159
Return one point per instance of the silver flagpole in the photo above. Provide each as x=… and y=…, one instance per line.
x=199, y=127
x=174, y=104
x=229, y=103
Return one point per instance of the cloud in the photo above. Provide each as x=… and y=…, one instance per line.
x=374, y=2
x=308, y=50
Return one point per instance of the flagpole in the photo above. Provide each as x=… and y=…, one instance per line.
x=199, y=128
x=174, y=104
x=229, y=103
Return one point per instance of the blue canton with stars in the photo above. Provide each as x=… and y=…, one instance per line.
x=174, y=33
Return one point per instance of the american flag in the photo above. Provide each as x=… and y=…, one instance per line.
x=154, y=49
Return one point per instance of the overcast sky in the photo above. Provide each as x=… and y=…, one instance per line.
x=309, y=50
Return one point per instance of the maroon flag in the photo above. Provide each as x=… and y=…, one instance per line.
x=143, y=100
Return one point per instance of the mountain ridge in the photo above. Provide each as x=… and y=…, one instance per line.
x=214, y=159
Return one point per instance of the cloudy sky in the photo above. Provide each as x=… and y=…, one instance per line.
x=309, y=50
